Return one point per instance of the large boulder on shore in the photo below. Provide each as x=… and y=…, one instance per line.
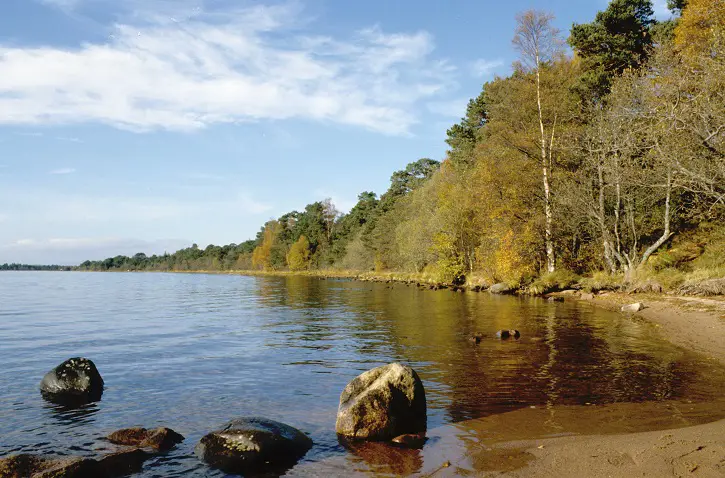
x=500, y=288
x=636, y=307
x=381, y=404
x=74, y=382
x=160, y=439
x=253, y=443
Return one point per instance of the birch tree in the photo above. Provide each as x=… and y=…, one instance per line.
x=537, y=40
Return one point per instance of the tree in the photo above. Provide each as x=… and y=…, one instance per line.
x=618, y=39
x=298, y=257
x=262, y=255
x=462, y=137
x=537, y=40
x=701, y=27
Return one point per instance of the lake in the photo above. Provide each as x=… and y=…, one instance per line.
x=191, y=351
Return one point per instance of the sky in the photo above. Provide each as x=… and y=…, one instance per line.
x=148, y=125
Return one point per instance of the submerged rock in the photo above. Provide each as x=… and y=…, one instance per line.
x=381, y=404
x=507, y=334
x=636, y=307
x=411, y=440
x=74, y=382
x=33, y=466
x=476, y=338
x=161, y=438
x=253, y=443
x=123, y=463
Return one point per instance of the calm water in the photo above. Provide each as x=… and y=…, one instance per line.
x=193, y=351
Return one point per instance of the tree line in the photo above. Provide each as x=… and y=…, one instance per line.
x=586, y=161
x=31, y=267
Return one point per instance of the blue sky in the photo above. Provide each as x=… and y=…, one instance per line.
x=146, y=125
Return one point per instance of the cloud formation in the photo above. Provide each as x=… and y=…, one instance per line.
x=157, y=72
x=62, y=171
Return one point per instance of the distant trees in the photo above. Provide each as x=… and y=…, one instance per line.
x=31, y=267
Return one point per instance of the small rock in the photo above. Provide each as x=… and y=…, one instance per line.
x=636, y=307
x=477, y=337
x=381, y=404
x=253, y=443
x=499, y=288
x=411, y=440
x=555, y=298
x=507, y=334
x=587, y=296
x=161, y=438
x=75, y=382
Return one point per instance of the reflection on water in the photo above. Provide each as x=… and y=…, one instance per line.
x=193, y=351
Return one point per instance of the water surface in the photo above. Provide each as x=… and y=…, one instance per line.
x=193, y=351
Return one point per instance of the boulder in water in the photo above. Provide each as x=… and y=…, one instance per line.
x=253, y=444
x=74, y=382
x=160, y=439
x=381, y=404
x=24, y=466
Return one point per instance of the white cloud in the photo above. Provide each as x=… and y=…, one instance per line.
x=65, y=4
x=223, y=67
x=485, y=68
x=62, y=171
x=69, y=139
x=453, y=108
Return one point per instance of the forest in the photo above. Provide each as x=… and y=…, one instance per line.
x=30, y=267
x=601, y=156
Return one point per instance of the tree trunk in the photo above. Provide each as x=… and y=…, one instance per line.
x=666, y=234
x=550, y=260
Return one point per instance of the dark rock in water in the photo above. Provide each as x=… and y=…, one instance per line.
x=74, y=382
x=381, y=404
x=32, y=466
x=416, y=440
x=507, y=334
x=123, y=463
x=18, y=466
x=477, y=337
x=161, y=438
x=253, y=444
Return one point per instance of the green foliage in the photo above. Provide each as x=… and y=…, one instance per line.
x=618, y=39
x=463, y=136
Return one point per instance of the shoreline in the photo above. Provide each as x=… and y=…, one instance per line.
x=694, y=450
